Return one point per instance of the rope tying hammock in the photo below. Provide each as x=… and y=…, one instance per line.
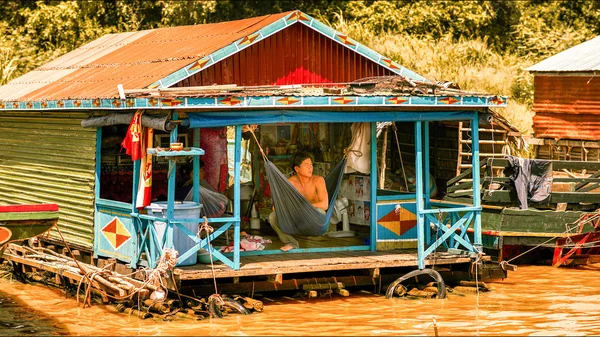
x=295, y=214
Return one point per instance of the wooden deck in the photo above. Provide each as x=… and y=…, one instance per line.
x=293, y=263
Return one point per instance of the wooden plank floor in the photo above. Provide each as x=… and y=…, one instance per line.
x=289, y=262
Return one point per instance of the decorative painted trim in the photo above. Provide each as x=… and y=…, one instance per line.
x=233, y=102
x=275, y=27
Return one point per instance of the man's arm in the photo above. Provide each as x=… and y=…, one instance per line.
x=321, y=193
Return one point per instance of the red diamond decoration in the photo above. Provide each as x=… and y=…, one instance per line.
x=116, y=233
x=248, y=39
x=199, y=64
x=288, y=100
x=230, y=101
x=398, y=222
x=171, y=102
x=497, y=100
x=345, y=40
x=390, y=64
x=396, y=100
x=342, y=100
x=449, y=100
x=297, y=15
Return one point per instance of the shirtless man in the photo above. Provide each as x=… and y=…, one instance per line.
x=312, y=187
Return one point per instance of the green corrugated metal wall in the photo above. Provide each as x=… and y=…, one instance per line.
x=49, y=158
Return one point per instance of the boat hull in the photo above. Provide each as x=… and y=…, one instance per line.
x=21, y=222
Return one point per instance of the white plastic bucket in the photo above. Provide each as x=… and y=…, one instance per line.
x=183, y=210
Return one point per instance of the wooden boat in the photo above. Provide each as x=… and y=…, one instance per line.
x=584, y=247
x=509, y=231
x=20, y=222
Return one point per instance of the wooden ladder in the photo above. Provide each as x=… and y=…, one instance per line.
x=464, y=145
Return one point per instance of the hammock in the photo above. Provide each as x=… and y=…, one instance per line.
x=213, y=203
x=295, y=214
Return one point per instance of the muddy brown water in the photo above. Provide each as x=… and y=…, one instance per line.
x=534, y=301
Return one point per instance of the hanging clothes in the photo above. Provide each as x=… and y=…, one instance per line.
x=359, y=151
x=530, y=178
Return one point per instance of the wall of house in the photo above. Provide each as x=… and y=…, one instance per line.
x=49, y=158
x=443, y=153
x=567, y=107
x=296, y=55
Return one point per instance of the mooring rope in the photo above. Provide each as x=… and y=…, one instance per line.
x=567, y=231
x=208, y=229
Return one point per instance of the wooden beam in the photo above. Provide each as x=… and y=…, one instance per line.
x=556, y=197
x=583, y=183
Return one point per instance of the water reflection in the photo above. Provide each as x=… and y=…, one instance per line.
x=534, y=301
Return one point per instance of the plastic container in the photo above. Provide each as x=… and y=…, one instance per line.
x=181, y=242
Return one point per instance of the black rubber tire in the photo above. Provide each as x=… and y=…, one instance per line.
x=441, y=285
x=235, y=305
x=217, y=311
x=214, y=309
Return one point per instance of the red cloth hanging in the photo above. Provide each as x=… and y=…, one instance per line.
x=144, y=197
x=132, y=143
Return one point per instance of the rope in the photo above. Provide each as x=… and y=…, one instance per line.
x=493, y=157
x=208, y=229
x=250, y=129
x=400, y=155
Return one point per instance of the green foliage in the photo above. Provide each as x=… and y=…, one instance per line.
x=481, y=45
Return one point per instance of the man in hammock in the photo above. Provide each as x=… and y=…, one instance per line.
x=312, y=187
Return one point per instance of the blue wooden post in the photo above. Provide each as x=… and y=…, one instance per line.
x=373, y=191
x=236, y=197
x=196, y=161
x=427, y=189
x=419, y=195
x=171, y=190
x=476, y=183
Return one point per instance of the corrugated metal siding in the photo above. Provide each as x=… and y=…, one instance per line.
x=582, y=57
x=567, y=107
x=296, y=55
x=565, y=126
x=567, y=94
x=134, y=60
x=50, y=158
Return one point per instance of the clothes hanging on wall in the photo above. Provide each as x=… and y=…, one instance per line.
x=531, y=179
x=359, y=155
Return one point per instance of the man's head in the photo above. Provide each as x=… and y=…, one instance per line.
x=302, y=163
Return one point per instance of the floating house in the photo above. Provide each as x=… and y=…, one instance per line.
x=566, y=120
x=302, y=82
x=566, y=104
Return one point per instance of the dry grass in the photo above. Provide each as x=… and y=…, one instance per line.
x=469, y=63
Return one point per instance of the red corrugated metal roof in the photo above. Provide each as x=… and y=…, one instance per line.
x=135, y=60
